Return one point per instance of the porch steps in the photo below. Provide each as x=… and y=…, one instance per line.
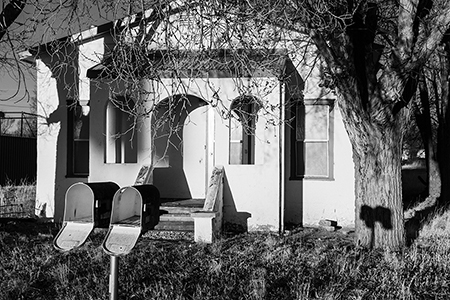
x=175, y=214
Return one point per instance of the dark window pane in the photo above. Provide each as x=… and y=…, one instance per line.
x=300, y=159
x=77, y=140
x=81, y=157
x=300, y=123
x=242, y=129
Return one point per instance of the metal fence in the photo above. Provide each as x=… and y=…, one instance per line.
x=18, y=124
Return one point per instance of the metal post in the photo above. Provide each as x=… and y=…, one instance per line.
x=113, y=278
x=21, y=125
x=2, y=115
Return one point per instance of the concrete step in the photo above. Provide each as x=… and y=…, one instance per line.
x=178, y=209
x=175, y=226
x=175, y=217
x=176, y=206
x=175, y=214
x=198, y=203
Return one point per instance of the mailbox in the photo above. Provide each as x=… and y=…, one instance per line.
x=135, y=210
x=87, y=205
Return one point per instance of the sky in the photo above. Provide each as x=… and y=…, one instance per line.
x=13, y=92
x=42, y=22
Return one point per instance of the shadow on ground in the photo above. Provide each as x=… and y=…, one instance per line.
x=418, y=206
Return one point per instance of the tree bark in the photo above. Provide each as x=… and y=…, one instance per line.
x=376, y=137
x=424, y=123
x=379, y=205
x=443, y=158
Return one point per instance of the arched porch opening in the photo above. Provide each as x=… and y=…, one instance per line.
x=179, y=150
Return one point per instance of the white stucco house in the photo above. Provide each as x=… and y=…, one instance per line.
x=279, y=136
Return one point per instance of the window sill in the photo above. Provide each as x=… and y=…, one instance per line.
x=77, y=176
x=310, y=178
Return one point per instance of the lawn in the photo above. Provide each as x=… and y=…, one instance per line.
x=305, y=264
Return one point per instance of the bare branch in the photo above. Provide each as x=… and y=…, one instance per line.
x=440, y=24
x=406, y=16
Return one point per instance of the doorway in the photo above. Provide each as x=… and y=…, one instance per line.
x=179, y=134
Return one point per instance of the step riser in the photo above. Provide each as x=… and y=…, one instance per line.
x=179, y=210
x=175, y=226
x=176, y=218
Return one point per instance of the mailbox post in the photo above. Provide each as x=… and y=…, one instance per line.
x=113, y=277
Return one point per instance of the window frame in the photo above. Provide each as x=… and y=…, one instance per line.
x=72, y=150
x=118, y=131
x=247, y=119
x=298, y=139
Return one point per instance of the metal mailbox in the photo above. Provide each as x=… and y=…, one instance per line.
x=135, y=210
x=87, y=205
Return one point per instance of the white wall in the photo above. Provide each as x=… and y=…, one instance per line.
x=124, y=174
x=47, y=96
x=310, y=200
x=54, y=88
x=334, y=199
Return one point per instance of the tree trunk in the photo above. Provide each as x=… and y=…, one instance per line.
x=424, y=123
x=443, y=155
x=443, y=141
x=378, y=189
x=379, y=207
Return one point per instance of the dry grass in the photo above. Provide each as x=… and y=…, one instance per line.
x=17, y=201
x=307, y=264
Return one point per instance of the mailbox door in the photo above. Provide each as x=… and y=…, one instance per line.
x=121, y=239
x=73, y=234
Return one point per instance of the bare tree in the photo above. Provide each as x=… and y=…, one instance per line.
x=373, y=52
x=375, y=62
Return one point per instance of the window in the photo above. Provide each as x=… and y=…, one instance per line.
x=242, y=130
x=121, y=137
x=312, y=140
x=77, y=139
